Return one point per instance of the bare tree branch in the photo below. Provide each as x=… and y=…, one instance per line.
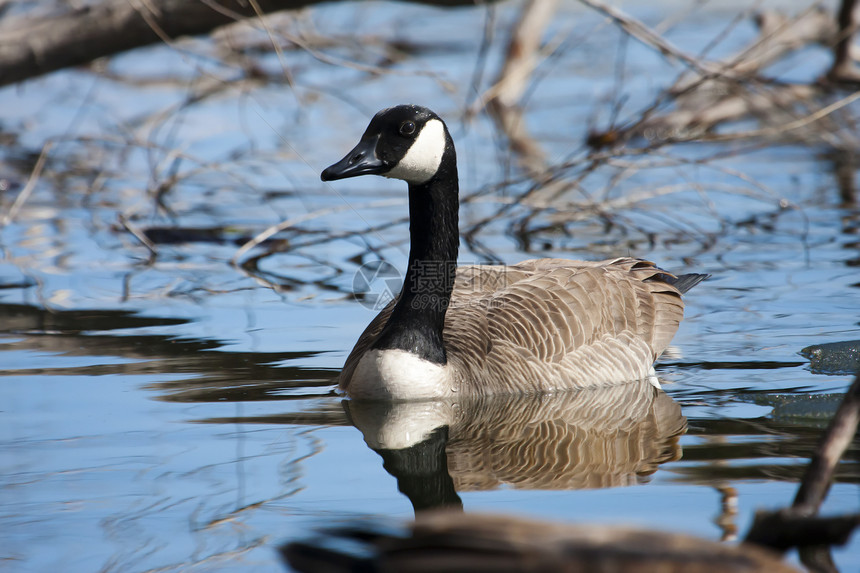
x=30, y=47
x=799, y=524
x=840, y=433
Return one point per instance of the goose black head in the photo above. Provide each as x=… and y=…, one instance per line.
x=403, y=142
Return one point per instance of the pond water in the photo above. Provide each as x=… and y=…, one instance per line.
x=171, y=411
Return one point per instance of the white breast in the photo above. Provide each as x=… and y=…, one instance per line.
x=398, y=375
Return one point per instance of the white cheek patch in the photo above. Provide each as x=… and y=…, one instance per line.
x=424, y=156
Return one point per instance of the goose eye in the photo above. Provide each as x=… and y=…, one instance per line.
x=407, y=128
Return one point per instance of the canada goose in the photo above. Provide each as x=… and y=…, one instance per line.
x=537, y=326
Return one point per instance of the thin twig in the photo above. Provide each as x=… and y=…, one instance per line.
x=138, y=234
x=284, y=225
x=650, y=38
x=782, y=129
x=276, y=45
x=28, y=188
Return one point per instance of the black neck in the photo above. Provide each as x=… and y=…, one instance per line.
x=418, y=318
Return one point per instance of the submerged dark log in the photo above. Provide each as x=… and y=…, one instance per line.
x=834, y=357
x=30, y=47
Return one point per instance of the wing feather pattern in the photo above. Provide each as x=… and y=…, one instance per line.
x=551, y=324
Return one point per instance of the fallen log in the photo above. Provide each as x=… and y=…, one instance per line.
x=32, y=46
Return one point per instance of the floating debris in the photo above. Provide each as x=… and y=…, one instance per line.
x=834, y=358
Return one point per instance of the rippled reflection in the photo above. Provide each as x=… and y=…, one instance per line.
x=198, y=372
x=594, y=438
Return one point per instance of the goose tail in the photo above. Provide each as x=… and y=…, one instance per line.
x=685, y=282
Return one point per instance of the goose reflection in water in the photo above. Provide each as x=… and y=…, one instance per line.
x=592, y=438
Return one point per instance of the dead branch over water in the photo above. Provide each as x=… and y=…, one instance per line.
x=30, y=47
x=709, y=93
x=800, y=525
x=707, y=96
